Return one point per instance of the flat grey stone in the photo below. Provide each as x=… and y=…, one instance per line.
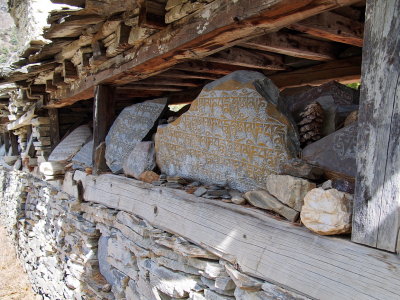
x=131, y=127
x=142, y=158
x=265, y=200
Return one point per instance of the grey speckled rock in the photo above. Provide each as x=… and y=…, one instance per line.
x=265, y=200
x=68, y=147
x=130, y=128
x=231, y=135
x=335, y=153
x=142, y=158
x=83, y=158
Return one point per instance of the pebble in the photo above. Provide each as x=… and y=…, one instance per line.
x=200, y=191
x=237, y=197
x=174, y=185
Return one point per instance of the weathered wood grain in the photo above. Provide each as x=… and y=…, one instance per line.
x=377, y=197
x=277, y=251
x=293, y=45
x=250, y=59
x=342, y=70
x=103, y=116
x=332, y=27
x=219, y=25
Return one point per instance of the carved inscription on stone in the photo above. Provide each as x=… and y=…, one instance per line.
x=68, y=147
x=130, y=128
x=231, y=135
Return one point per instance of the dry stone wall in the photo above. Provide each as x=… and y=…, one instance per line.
x=74, y=249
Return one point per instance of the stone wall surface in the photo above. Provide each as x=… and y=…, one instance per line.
x=74, y=249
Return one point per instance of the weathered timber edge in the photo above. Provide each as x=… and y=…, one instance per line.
x=277, y=251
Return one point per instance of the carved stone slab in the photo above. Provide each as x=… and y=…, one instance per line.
x=84, y=157
x=68, y=147
x=335, y=153
x=131, y=126
x=231, y=135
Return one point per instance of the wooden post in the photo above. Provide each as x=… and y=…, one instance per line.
x=13, y=143
x=6, y=138
x=54, y=127
x=376, y=220
x=103, y=116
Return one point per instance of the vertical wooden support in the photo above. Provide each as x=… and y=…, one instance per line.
x=6, y=138
x=13, y=143
x=103, y=116
x=54, y=127
x=376, y=220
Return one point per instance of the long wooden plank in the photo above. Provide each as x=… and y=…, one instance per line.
x=377, y=197
x=277, y=251
x=343, y=70
x=292, y=45
x=250, y=59
x=333, y=27
x=221, y=24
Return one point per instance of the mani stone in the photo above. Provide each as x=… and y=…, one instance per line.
x=335, y=153
x=142, y=158
x=265, y=200
x=289, y=190
x=68, y=147
x=132, y=125
x=327, y=212
x=84, y=157
x=231, y=135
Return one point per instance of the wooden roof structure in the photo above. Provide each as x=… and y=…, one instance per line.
x=146, y=49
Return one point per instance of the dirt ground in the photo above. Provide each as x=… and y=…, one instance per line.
x=14, y=283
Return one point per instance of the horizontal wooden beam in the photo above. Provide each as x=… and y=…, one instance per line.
x=343, y=70
x=333, y=27
x=156, y=80
x=140, y=87
x=187, y=75
x=219, y=25
x=209, y=67
x=292, y=45
x=261, y=246
x=249, y=59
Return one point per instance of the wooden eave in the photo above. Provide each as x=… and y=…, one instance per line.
x=293, y=42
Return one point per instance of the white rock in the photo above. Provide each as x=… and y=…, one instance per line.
x=327, y=212
x=289, y=190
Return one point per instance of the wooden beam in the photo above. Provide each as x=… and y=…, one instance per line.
x=157, y=81
x=292, y=45
x=209, y=67
x=333, y=27
x=103, y=116
x=140, y=87
x=187, y=75
x=54, y=127
x=249, y=59
x=376, y=220
x=13, y=143
x=342, y=70
x=219, y=25
x=261, y=246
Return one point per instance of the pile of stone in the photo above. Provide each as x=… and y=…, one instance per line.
x=41, y=137
x=57, y=246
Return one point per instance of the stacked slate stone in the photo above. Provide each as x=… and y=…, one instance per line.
x=41, y=137
x=57, y=246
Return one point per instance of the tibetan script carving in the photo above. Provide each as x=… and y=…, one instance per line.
x=230, y=135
